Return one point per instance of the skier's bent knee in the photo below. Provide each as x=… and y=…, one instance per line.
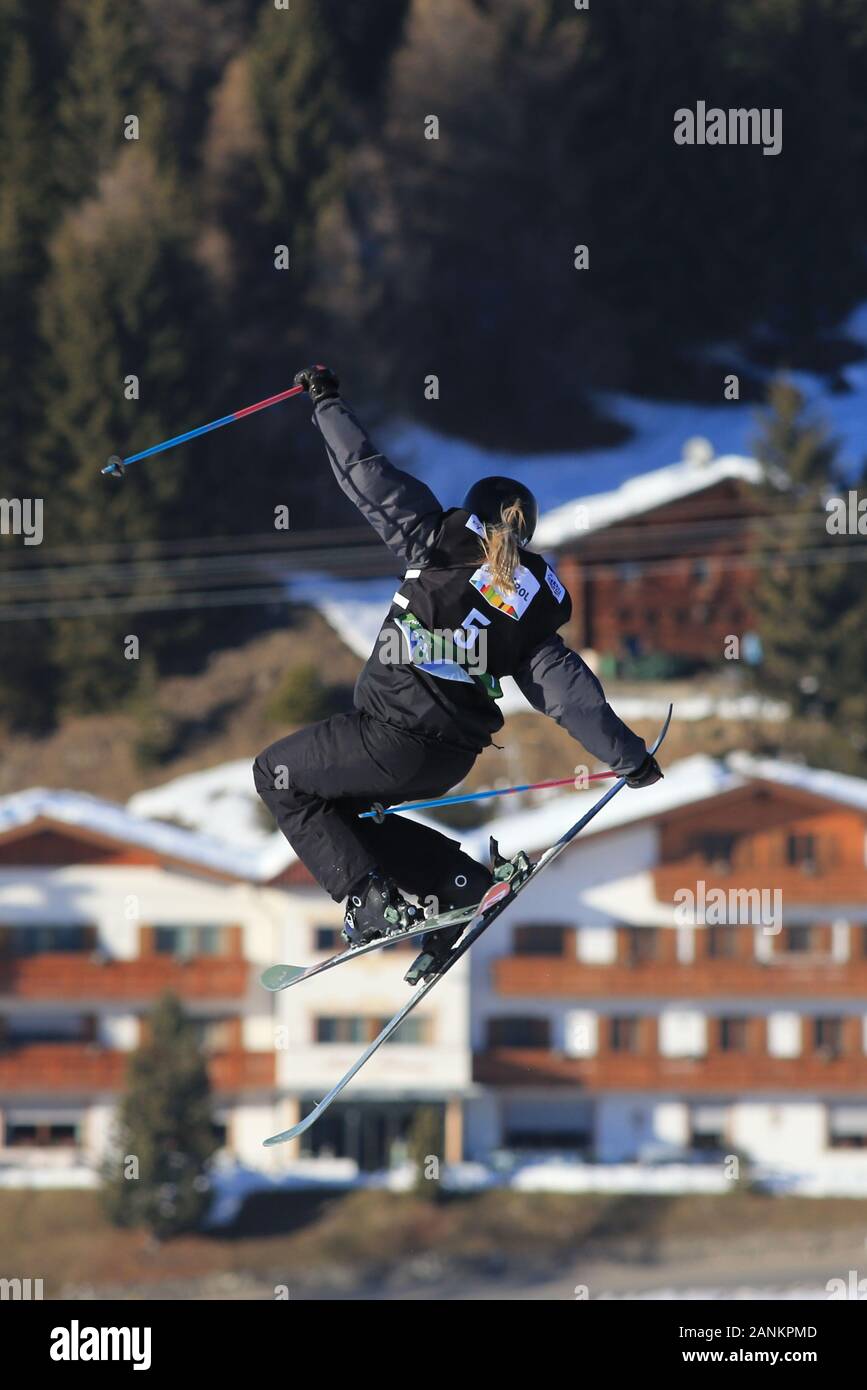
x=265, y=772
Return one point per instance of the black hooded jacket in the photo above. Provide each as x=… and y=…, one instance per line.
x=447, y=588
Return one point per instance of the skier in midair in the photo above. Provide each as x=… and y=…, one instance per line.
x=474, y=605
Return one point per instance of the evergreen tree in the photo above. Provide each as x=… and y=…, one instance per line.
x=24, y=144
x=296, y=89
x=28, y=675
x=469, y=235
x=164, y=1124
x=809, y=596
x=107, y=80
x=274, y=159
x=365, y=37
x=123, y=298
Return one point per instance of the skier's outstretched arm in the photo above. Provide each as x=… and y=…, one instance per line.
x=557, y=682
x=401, y=509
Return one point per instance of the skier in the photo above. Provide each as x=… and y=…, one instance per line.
x=474, y=605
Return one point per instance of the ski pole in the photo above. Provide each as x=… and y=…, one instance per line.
x=116, y=465
x=378, y=812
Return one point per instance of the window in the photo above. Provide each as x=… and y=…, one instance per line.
x=519, y=1032
x=341, y=1030
x=632, y=645
x=413, y=1030
x=624, y=1034
x=802, y=852
x=187, y=941
x=326, y=939
x=642, y=944
x=715, y=847
x=33, y=941
x=539, y=941
x=706, y=1140
x=799, y=940
x=707, y=1124
x=847, y=1141
x=721, y=942
x=41, y=1136
x=358, y=1028
x=847, y=1127
x=571, y=1140
x=220, y=1131
x=213, y=1034
x=828, y=1036
x=733, y=1034
x=34, y=1027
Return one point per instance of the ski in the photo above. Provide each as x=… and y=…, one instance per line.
x=494, y=902
x=278, y=977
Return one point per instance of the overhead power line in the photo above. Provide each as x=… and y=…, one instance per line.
x=217, y=594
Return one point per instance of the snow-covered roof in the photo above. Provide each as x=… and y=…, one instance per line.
x=263, y=858
x=642, y=494
x=841, y=787
x=92, y=814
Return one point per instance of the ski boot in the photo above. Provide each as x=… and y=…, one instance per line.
x=467, y=890
x=463, y=889
x=377, y=908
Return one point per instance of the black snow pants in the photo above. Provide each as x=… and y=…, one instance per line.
x=316, y=781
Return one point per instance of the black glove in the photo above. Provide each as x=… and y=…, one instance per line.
x=645, y=775
x=319, y=382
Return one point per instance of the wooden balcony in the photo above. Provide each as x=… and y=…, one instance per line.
x=87, y=1067
x=80, y=975
x=242, y=1071
x=787, y=976
x=840, y=883
x=727, y=1073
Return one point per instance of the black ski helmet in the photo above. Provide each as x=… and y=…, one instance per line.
x=488, y=496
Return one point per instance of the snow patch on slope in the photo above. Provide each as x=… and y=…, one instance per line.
x=221, y=800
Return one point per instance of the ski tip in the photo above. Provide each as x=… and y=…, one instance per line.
x=664, y=730
x=279, y=976
x=282, y=1138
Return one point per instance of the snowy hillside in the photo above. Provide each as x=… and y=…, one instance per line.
x=660, y=429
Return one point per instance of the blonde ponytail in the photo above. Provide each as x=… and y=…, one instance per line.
x=501, y=545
